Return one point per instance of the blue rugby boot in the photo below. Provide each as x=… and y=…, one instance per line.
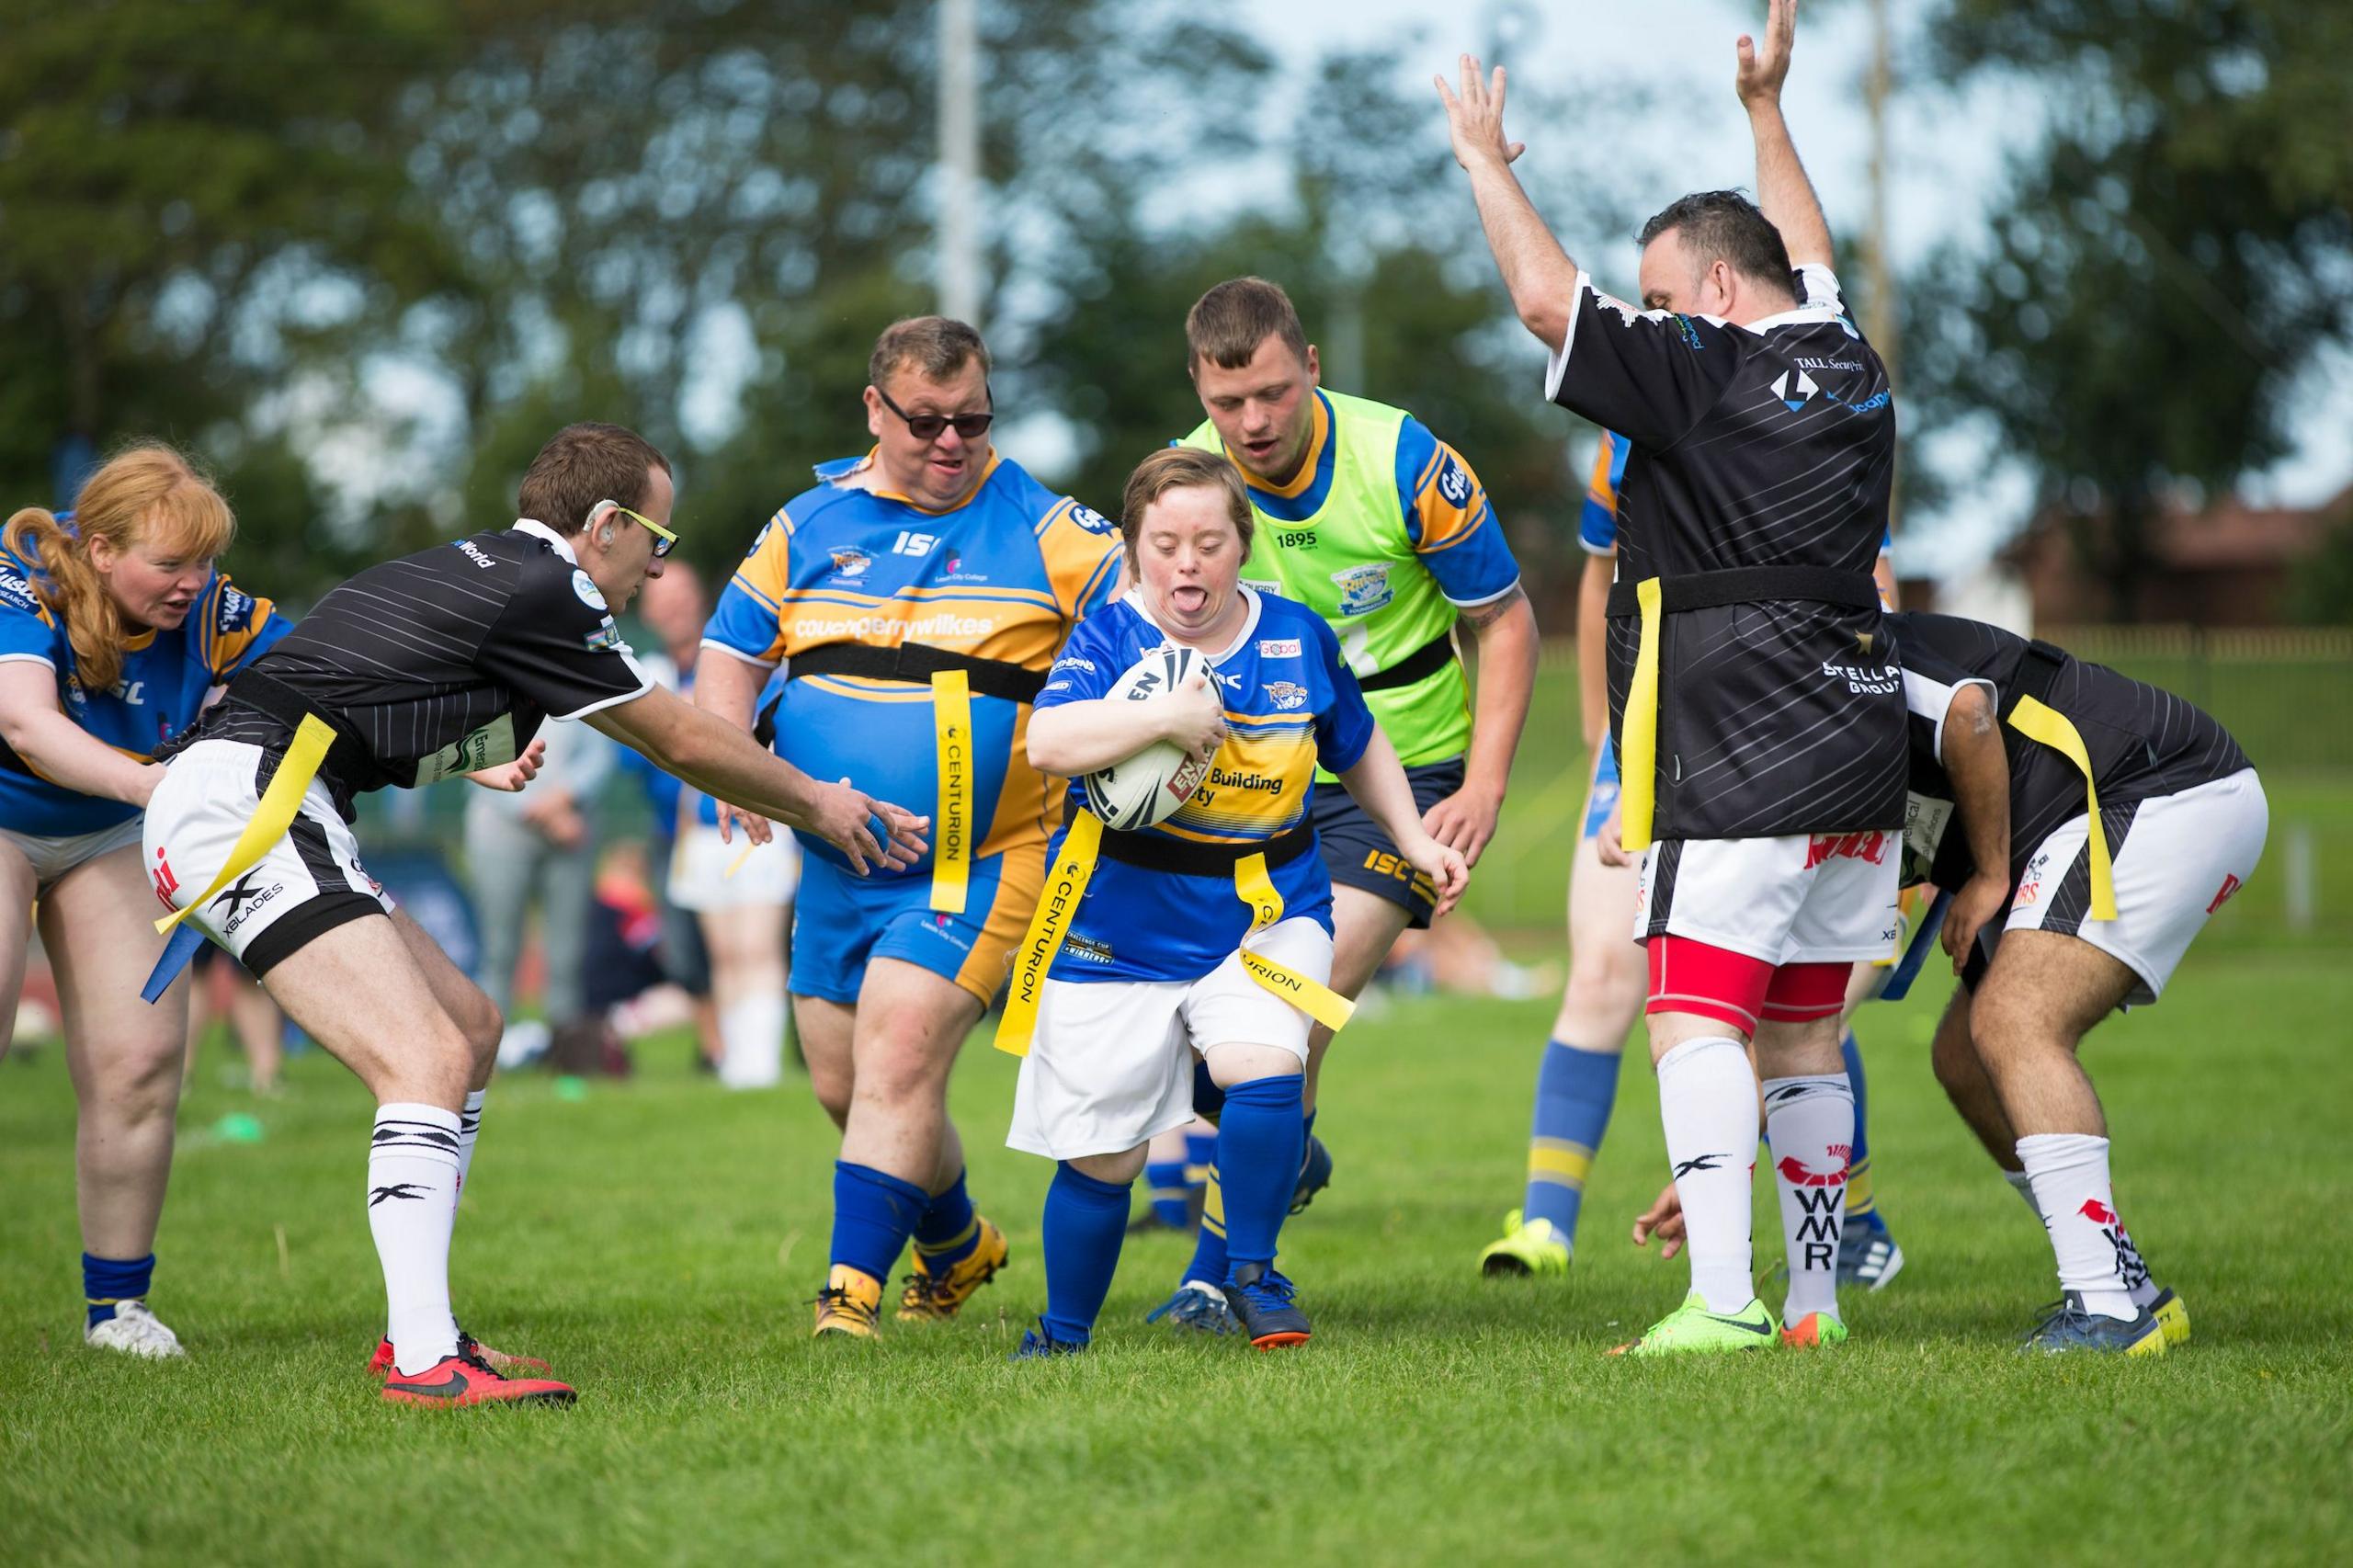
x=1265, y=1304
x=1314, y=1173
x=1037, y=1345
x=2070, y=1328
x=1198, y=1307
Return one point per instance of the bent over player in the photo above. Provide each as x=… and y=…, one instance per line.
x=114, y=626
x=1209, y=934
x=914, y=598
x=1758, y=718
x=441, y=662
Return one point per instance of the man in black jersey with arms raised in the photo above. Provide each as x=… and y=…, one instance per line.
x=1758, y=719
x=443, y=662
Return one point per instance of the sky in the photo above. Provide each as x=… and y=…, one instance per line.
x=1945, y=168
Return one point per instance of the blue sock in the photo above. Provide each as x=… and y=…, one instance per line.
x=1165, y=1180
x=1259, y=1144
x=1200, y=1150
x=948, y=1232
x=1574, y=1090
x=1086, y=1221
x=1862, y=1197
x=873, y=1216
x=107, y=1281
x=1209, y=1241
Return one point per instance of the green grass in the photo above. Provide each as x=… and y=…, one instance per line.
x=657, y=1240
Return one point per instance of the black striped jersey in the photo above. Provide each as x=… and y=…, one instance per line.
x=1769, y=444
x=444, y=662
x=2143, y=743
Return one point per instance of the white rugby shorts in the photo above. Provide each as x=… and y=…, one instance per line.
x=1823, y=898
x=1112, y=1062
x=51, y=857
x=2176, y=859
x=699, y=878
x=310, y=881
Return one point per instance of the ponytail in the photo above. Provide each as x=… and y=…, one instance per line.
x=73, y=594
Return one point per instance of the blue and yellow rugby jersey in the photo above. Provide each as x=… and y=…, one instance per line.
x=1290, y=702
x=165, y=677
x=1003, y=576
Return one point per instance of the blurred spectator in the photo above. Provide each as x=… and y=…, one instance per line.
x=223, y=988
x=540, y=841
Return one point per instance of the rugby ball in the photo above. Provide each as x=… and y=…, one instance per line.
x=1148, y=787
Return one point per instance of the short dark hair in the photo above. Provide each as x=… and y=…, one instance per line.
x=582, y=465
x=1184, y=468
x=1226, y=324
x=1725, y=224
x=936, y=347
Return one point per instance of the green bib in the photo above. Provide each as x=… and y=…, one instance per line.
x=1353, y=563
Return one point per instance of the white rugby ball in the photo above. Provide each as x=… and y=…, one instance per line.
x=1148, y=787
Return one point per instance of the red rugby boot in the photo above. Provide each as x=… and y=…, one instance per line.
x=466, y=1379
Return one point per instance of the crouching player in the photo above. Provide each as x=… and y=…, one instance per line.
x=1208, y=934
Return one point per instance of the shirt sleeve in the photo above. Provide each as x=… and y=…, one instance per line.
x=1448, y=520
x=1930, y=683
x=29, y=632
x=1344, y=724
x=238, y=626
x=1597, y=523
x=1081, y=549
x=1649, y=375
x=749, y=622
x=1088, y=665
x=556, y=643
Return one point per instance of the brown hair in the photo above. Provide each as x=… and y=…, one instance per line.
x=583, y=464
x=936, y=347
x=1725, y=224
x=1226, y=324
x=146, y=493
x=1184, y=468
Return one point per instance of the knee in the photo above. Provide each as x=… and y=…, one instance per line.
x=895, y=1071
x=1119, y=1170
x=833, y=1086
x=141, y=1080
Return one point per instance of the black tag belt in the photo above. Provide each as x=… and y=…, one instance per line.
x=1414, y=667
x=1159, y=852
x=1752, y=585
x=912, y=662
x=2039, y=669
x=267, y=694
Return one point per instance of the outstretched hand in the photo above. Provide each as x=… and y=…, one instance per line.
x=1761, y=72
x=508, y=777
x=1474, y=118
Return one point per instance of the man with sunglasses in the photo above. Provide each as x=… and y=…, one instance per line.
x=915, y=598
x=442, y=662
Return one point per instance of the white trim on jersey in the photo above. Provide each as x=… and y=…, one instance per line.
x=1502, y=593
x=1932, y=699
x=738, y=654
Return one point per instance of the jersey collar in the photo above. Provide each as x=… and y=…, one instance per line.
x=538, y=530
x=1319, y=432
x=845, y=472
x=1250, y=596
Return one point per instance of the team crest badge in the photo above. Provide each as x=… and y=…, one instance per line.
x=1363, y=589
x=1287, y=694
x=850, y=564
x=584, y=588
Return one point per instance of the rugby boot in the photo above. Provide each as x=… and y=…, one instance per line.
x=933, y=1298
x=1868, y=1256
x=850, y=1305
x=1692, y=1329
x=467, y=1378
x=1534, y=1248
x=135, y=1331
x=379, y=1365
x=1265, y=1304
x=1037, y=1345
x=1197, y=1306
x=2168, y=1309
x=1314, y=1173
x=2070, y=1328
x=1815, y=1331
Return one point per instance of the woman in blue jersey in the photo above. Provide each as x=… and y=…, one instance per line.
x=1208, y=934
x=112, y=630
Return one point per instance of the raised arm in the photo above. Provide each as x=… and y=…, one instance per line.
x=1783, y=190
x=1538, y=273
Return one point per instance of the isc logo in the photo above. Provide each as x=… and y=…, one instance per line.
x=913, y=543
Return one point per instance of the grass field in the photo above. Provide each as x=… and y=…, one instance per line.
x=657, y=1240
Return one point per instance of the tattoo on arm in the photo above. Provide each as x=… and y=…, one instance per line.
x=1480, y=617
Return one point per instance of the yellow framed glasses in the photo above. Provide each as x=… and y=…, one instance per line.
x=664, y=541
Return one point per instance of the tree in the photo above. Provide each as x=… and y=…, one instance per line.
x=2171, y=258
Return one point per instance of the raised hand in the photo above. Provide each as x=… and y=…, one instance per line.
x=1761, y=72
x=1474, y=118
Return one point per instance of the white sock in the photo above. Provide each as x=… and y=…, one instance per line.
x=1707, y=1101
x=2078, y=1207
x=2023, y=1184
x=2146, y=1289
x=411, y=1202
x=469, y=1129
x=1811, y=1121
x=751, y=1033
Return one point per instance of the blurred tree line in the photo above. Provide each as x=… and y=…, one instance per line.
x=396, y=242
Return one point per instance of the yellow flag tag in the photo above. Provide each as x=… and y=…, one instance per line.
x=272, y=816
x=1637, y=763
x=1066, y=877
x=1256, y=887
x=2053, y=729
x=952, y=850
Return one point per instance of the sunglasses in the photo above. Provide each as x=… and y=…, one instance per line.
x=927, y=426
x=664, y=541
